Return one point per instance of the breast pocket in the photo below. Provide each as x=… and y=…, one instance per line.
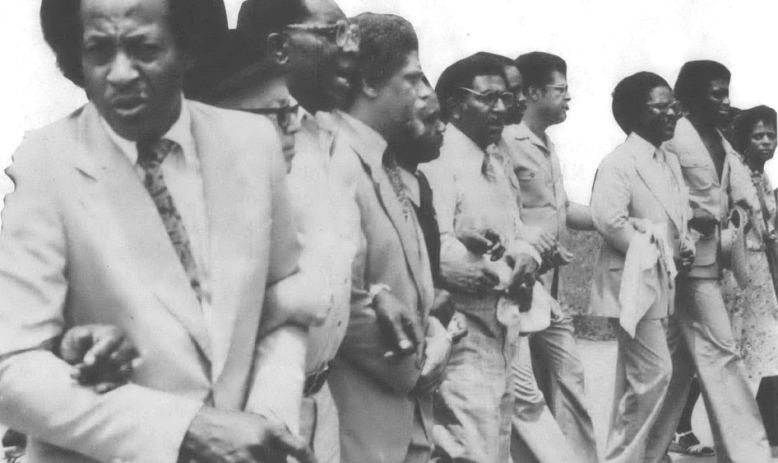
x=697, y=174
x=535, y=186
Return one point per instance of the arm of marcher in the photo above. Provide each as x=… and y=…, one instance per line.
x=611, y=197
x=39, y=397
x=579, y=217
x=131, y=423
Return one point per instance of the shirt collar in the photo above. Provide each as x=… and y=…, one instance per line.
x=642, y=146
x=368, y=135
x=180, y=132
x=523, y=132
x=464, y=148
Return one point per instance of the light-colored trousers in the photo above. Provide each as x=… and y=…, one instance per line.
x=319, y=425
x=535, y=435
x=700, y=333
x=560, y=376
x=473, y=406
x=643, y=371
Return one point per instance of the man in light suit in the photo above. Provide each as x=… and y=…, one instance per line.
x=270, y=51
x=640, y=180
x=154, y=214
x=700, y=333
x=385, y=411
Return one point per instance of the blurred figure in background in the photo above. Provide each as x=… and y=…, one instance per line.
x=753, y=311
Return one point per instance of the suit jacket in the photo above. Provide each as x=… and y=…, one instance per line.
x=705, y=189
x=376, y=410
x=630, y=183
x=82, y=242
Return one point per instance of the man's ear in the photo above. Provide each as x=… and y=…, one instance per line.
x=453, y=107
x=534, y=92
x=369, y=89
x=278, y=47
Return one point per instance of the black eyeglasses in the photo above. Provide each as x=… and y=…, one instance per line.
x=283, y=114
x=339, y=33
x=490, y=98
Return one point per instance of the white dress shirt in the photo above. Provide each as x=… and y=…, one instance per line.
x=183, y=176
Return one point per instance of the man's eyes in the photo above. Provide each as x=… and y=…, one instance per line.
x=102, y=52
x=98, y=52
x=143, y=51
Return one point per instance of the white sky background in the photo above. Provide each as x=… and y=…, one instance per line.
x=601, y=40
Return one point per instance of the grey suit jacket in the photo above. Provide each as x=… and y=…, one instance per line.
x=375, y=406
x=82, y=242
x=631, y=184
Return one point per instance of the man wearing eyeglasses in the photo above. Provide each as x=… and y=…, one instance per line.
x=474, y=197
x=283, y=52
x=699, y=333
x=548, y=213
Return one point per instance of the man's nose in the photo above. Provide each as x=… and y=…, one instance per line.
x=424, y=91
x=122, y=70
x=499, y=107
x=352, y=40
x=294, y=125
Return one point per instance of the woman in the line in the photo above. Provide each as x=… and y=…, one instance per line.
x=639, y=200
x=754, y=310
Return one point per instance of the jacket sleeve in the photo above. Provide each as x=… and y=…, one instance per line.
x=131, y=423
x=611, y=197
x=363, y=344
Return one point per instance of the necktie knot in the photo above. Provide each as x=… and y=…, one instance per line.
x=151, y=153
x=487, y=168
x=659, y=155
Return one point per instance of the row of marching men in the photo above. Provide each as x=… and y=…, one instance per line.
x=404, y=245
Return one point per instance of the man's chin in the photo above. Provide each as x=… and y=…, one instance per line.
x=127, y=124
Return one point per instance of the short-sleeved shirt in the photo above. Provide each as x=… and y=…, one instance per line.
x=536, y=164
x=543, y=197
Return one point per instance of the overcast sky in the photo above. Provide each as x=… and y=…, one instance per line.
x=601, y=40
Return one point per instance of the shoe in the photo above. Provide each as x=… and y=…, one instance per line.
x=688, y=444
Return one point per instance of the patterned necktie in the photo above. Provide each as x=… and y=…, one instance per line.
x=393, y=172
x=151, y=153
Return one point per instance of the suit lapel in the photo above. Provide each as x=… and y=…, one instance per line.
x=372, y=160
x=675, y=167
x=653, y=176
x=122, y=199
x=698, y=149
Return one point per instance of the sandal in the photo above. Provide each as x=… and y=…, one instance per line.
x=688, y=444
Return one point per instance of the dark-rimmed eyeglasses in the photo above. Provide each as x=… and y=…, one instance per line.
x=490, y=98
x=338, y=33
x=283, y=114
